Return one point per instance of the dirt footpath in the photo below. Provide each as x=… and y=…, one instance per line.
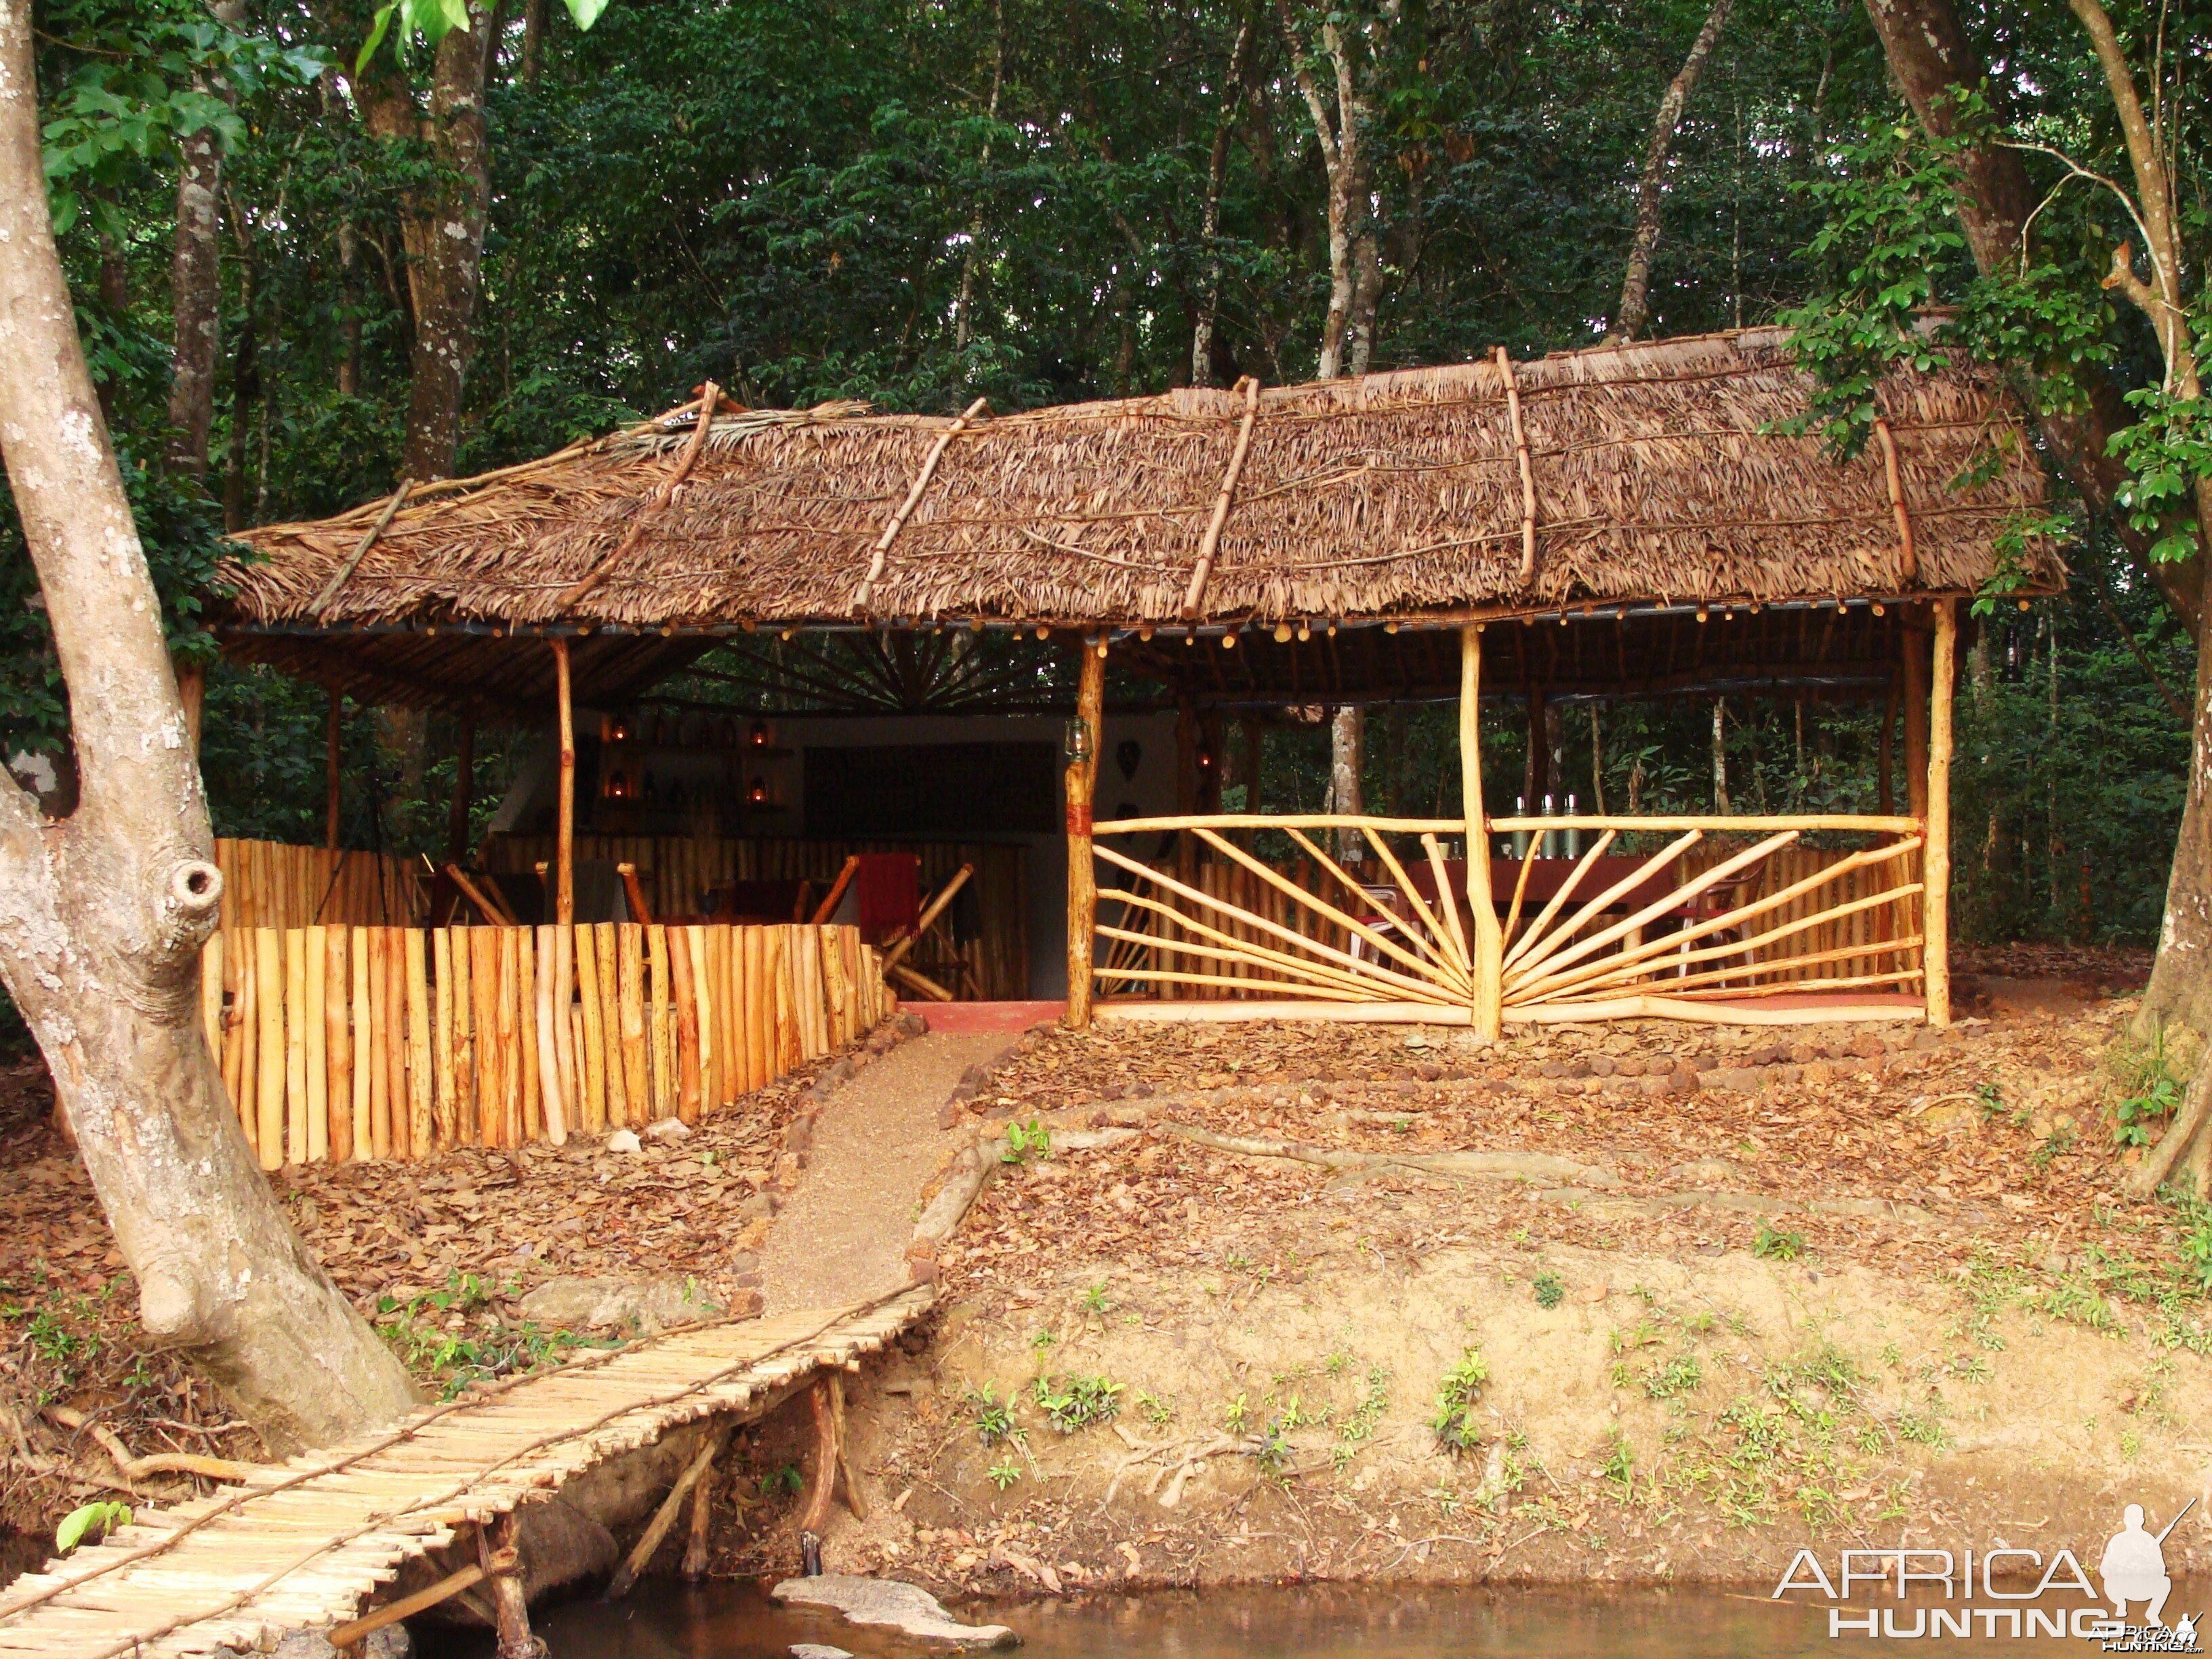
x=841, y=1235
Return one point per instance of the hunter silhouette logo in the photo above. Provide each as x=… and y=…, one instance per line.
x=2134, y=1566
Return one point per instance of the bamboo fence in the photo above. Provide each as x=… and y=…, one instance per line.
x=342, y=1043
x=676, y=871
x=268, y=883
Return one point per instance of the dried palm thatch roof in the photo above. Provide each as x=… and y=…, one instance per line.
x=1650, y=476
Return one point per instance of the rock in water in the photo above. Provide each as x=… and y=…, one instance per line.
x=817, y=1650
x=904, y=1607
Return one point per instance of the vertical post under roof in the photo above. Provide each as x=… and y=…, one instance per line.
x=1936, y=899
x=1487, y=1008
x=1079, y=777
x=564, y=868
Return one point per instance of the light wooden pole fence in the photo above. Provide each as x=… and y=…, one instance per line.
x=342, y=1043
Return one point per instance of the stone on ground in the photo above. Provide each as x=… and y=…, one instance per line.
x=575, y=1302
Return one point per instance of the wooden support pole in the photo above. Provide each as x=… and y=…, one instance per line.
x=1080, y=779
x=510, y=1600
x=828, y=1399
x=1487, y=1003
x=1935, y=880
x=695, y=1473
x=333, y=754
x=564, y=871
x=350, y=1633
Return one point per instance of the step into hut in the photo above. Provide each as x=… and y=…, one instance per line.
x=1629, y=521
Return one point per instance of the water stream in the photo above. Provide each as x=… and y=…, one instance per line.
x=666, y=1620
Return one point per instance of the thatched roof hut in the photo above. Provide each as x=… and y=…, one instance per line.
x=1650, y=475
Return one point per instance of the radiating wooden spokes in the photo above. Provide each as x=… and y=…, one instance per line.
x=1697, y=941
x=1243, y=925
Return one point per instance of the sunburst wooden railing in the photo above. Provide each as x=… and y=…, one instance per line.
x=1694, y=922
x=1242, y=927
x=1707, y=917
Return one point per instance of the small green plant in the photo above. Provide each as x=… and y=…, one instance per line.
x=1679, y=1376
x=994, y=1417
x=1771, y=1244
x=1619, y=1466
x=1024, y=1138
x=1043, y=1340
x=1153, y=1409
x=788, y=1478
x=1005, y=1472
x=2051, y=1148
x=1551, y=1291
x=1359, y=1427
x=1457, y=1396
x=2154, y=1094
x=96, y=1520
x=1923, y=1428
x=1989, y=1100
x=2196, y=1246
x=1094, y=1299
x=1237, y=1414
x=1077, y=1403
x=1274, y=1449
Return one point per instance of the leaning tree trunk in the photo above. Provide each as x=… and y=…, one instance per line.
x=102, y=914
x=1636, y=287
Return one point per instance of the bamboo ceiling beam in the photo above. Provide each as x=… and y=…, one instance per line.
x=1195, y=595
x=913, y=499
x=1520, y=456
x=650, y=509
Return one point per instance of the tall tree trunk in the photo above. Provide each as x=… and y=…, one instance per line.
x=196, y=285
x=445, y=253
x=1209, y=232
x=102, y=914
x=1346, y=341
x=1636, y=287
x=1347, y=760
x=963, y=315
x=244, y=386
x=533, y=40
x=1933, y=60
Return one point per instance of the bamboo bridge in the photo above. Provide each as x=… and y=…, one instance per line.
x=310, y=1544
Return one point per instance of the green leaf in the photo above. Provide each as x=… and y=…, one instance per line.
x=377, y=26
x=586, y=12
x=105, y=1516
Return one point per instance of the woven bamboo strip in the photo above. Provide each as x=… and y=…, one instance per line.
x=315, y=1021
x=364, y=1123
x=606, y=974
x=508, y=1117
x=593, y=1072
x=491, y=1055
x=565, y=1059
x=376, y=1024
x=395, y=1043
x=685, y=1010
x=659, y=1033
x=269, y=976
x=756, y=1013
x=338, y=1038
x=629, y=989
x=465, y=1039
x=542, y=960
x=441, y=963
x=421, y=1079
